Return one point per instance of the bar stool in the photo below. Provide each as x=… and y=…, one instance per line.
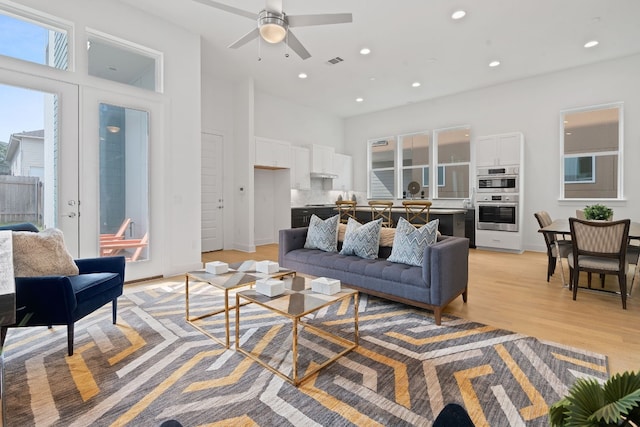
x=417, y=211
x=381, y=209
x=346, y=210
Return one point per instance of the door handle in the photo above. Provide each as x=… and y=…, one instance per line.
x=71, y=214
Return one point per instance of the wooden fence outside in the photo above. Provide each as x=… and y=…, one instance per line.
x=21, y=199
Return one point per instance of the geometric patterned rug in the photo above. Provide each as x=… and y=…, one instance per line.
x=153, y=366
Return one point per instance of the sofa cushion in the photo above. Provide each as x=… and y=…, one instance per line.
x=323, y=234
x=41, y=254
x=409, y=242
x=362, y=240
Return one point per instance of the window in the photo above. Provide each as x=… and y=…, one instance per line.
x=453, y=148
x=579, y=169
x=32, y=40
x=592, y=152
x=441, y=176
x=382, y=168
x=415, y=150
x=124, y=62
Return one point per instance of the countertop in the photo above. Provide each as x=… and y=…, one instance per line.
x=396, y=208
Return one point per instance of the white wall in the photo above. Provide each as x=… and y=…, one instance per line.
x=531, y=106
x=283, y=120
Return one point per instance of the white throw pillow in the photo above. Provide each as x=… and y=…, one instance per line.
x=409, y=242
x=41, y=254
x=323, y=234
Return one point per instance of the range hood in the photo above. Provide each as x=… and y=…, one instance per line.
x=323, y=175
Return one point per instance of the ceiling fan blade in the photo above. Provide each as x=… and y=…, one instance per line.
x=296, y=46
x=274, y=6
x=327, y=18
x=253, y=34
x=229, y=9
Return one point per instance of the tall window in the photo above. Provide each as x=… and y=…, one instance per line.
x=454, y=162
x=382, y=168
x=40, y=42
x=415, y=165
x=592, y=152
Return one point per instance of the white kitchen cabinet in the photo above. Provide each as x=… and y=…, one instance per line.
x=499, y=150
x=322, y=159
x=272, y=154
x=343, y=165
x=300, y=159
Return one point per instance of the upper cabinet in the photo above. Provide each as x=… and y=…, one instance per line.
x=499, y=150
x=322, y=159
x=272, y=154
x=343, y=165
x=300, y=160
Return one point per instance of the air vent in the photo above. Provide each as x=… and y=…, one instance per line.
x=335, y=60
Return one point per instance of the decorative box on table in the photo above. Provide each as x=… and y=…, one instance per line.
x=216, y=267
x=325, y=285
x=270, y=287
x=267, y=267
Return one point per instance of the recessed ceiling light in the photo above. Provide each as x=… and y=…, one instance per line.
x=359, y=99
x=591, y=43
x=365, y=51
x=415, y=84
x=302, y=75
x=494, y=63
x=458, y=14
x=372, y=78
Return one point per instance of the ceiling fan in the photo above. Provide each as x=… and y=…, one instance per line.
x=274, y=25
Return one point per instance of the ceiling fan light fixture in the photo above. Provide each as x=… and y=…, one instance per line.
x=273, y=27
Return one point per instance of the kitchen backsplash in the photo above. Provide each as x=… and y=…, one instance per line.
x=317, y=195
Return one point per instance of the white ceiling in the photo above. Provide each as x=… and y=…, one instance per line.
x=410, y=40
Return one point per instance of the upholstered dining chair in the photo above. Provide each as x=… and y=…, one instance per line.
x=556, y=248
x=600, y=247
x=382, y=209
x=417, y=211
x=346, y=210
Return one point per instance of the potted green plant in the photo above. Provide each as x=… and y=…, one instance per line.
x=598, y=212
x=591, y=404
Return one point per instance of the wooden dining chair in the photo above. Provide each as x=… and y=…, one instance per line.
x=346, y=210
x=417, y=211
x=556, y=248
x=600, y=247
x=382, y=209
x=118, y=234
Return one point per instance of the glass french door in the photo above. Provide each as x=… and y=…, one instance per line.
x=40, y=176
x=121, y=138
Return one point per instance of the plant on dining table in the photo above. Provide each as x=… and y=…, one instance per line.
x=598, y=212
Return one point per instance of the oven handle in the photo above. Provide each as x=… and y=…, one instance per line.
x=497, y=204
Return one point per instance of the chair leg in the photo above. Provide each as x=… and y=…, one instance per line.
x=70, y=338
x=602, y=280
x=3, y=336
x=115, y=309
x=622, y=278
x=551, y=267
x=576, y=276
x=589, y=280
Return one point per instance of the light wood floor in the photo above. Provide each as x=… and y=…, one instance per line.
x=510, y=291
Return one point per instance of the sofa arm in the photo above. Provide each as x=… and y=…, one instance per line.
x=445, y=268
x=43, y=300
x=291, y=239
x=110, y=264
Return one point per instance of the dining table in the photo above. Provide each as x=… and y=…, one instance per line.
x=561, y=226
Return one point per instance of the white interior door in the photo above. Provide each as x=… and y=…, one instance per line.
x=212, y=196
x=55, y=160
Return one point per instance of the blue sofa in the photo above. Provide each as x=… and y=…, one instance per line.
x=442, y=277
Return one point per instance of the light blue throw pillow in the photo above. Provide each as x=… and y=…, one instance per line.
x=362, y=240
x=323, y=234
x=409, y=242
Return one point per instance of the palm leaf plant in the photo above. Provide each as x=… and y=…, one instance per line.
x=590, y=404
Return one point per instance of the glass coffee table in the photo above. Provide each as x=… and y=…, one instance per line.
x=294, y=304
x=240, y=274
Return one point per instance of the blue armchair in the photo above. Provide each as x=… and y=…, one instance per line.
x=63, y=300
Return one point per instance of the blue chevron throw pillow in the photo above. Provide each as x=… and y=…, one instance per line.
x=410, y=242
x=362, y=240
x=323, y=234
